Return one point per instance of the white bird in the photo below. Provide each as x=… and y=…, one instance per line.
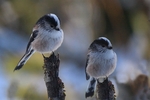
x=101, y=62
x=47, y=36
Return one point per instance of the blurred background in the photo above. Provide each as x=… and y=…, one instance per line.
x=125, y=22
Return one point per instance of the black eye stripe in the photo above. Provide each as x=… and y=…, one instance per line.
x=51, y=21
x=48, y=19
x=101, y=42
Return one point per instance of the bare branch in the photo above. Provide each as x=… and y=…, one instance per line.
x=105, y=90
x=55, y=87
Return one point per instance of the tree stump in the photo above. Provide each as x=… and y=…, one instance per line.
x=55, y=87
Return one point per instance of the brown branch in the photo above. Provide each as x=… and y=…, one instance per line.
x=55, y=87
x=105, y=90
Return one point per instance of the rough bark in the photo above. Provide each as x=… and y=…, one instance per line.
x=105, y=90
x=55, y=87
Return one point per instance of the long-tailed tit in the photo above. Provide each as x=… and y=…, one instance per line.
x=46, y=37
x=101, y=62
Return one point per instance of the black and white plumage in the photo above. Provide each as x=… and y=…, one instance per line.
x=46, y=37
x=101, y=62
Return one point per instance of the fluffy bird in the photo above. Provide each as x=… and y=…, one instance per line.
x=101, y=62
x=47, y=36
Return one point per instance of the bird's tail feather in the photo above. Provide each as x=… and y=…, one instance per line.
x=91, y=88
x=24, y=59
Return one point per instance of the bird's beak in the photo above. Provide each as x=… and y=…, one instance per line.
x=110, y=47
x=57, y=28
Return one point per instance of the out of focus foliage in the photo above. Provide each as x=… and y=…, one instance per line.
x=24, y=14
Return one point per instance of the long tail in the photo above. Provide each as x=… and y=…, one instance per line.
x=91, y=88
x=24, y=59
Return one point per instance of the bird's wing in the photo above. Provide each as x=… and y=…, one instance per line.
x=87, y=60
x=32, y=37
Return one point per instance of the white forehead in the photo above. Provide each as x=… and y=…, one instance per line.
x=55, y=17
x=104, y=38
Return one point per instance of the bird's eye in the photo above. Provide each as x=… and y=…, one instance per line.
x=103, y=45
x=52, y=26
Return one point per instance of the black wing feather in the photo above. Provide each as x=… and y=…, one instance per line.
x=33, y=36
x=87, y=60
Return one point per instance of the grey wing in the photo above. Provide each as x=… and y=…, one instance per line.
x=32, y=37
x=87, y=60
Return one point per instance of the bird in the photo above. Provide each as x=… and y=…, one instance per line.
x=47, y=36
x=101, y=62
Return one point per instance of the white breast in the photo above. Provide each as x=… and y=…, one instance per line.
x=48, y=41
x=101, y=64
